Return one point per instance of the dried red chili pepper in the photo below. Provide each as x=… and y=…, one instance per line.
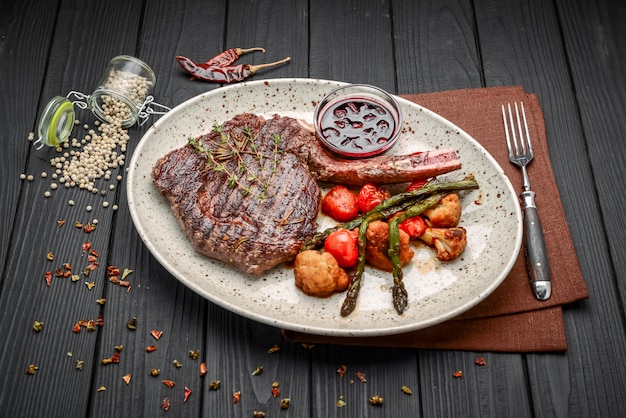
x=151, y=348
x=480, y=361
x=236, y=396
x=275, y=389
x=165, y=404
x=156, y=334
x=187, y=394
x=168, y=383
x=223, y=74
x=202, y=369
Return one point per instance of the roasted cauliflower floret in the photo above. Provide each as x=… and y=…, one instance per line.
x=318, y=274
x=445, y=214
x=376, y=250
x=449, y=242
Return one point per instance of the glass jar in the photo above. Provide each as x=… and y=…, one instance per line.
x=123, y=97
x=122, y=91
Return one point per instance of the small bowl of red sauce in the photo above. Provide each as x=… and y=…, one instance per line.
x=358, y=121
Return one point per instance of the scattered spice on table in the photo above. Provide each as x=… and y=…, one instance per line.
x=155, y=372
x=480, y=361
x=37, y=326
x=101, y=389
x=407, y=390
x=458, y=374
x=32, y=369
x=202, y=369
x=168, y=383
x=361, y=377
x=79, y=365
x=165, y=404
x=48, y=277
x=236, y=397
x=274, y=349
x=187, y=394
x=257, y=371
x=284, y=403
x=177, y=364
x=132, y=323
x=126, y=378
x=156, y=334
x=151, y=348
x=194, y=354
x=341, y=402
x=376, y=400
x=276, y=389
x=258, y=414
x=341, y=371
x=215, y=384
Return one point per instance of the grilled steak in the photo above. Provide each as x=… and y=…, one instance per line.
x=247, y=195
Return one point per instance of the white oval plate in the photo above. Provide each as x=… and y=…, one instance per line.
x=437, y=291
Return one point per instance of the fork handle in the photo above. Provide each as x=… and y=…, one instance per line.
x=535, y=247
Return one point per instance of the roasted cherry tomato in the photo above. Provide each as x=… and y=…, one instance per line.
x=371, y=196
x=417, y=184
x=343, y=245
x=340, y=204
x=414, y=226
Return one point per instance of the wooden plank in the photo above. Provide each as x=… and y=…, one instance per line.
x=516, y=50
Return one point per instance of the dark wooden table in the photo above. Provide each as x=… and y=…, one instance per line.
x=572, y=53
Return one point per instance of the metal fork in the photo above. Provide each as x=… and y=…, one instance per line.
x=520, y=154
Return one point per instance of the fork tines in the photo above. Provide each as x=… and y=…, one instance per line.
x=522, y=147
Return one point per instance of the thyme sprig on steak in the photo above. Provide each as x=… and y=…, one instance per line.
x=233, y=145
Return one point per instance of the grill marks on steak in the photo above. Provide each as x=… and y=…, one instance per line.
x=255, y=234
x=251, y=233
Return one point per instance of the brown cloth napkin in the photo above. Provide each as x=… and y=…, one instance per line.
x=510, y=319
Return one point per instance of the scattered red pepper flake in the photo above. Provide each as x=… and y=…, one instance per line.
x=89, y=228
x=458, y=374
x=31, y=369
x=165, y=404
x=76, y=328
x=168, y=383
x=151, y=348
x=126, y=378
x=480, y=361
x=86, y=246
x=361, y=376
x=113, y=271
x=275, y=389
x=187, y=394
x=60, y=222
x=236, y=397
x=48, y=276
x=115, y=358
x=341, y=371
x=156, y=334
x=93, y=253
x=202, y=369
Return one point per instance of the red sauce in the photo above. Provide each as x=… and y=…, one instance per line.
x=358, y=125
